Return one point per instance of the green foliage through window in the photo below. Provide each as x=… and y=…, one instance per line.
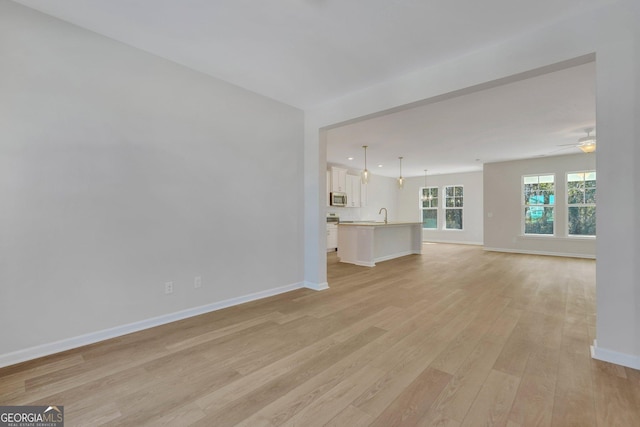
x=429, y=201
x=454, y=202
x=539, y=201
x=581, y=203
x=430, y=218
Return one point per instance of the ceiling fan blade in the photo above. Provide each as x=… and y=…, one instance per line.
x=567, y=145
x=561, y=149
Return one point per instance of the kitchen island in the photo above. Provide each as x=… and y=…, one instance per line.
x=365, y=243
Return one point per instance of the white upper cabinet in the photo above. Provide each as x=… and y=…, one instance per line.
x=353, y=191
x=342, y=182
x=338, y=180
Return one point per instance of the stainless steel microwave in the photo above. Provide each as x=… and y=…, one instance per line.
x=338, y=199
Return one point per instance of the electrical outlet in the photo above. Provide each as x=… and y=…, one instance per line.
x=197, y=282
x=168, y=288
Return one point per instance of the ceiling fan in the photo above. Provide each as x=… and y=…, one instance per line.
x=587, y=143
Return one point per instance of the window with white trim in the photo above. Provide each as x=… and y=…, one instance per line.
x=429, y=204
x=538, y=202
x=581, y=203
x=453, y=207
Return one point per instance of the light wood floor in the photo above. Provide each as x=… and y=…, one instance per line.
x=455, y=337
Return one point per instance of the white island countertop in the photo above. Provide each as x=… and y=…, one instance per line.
x=365, y=243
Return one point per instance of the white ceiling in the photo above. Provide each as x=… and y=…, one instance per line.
x=524, y=119
x=307, y=52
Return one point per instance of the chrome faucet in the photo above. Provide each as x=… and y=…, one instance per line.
x=385, y=214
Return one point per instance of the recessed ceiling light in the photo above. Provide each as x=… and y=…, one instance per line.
x=379, y=166
x=349, y=158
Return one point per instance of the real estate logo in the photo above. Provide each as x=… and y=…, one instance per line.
x=31, y=416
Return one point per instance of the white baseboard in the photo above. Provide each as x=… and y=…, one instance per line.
x=380, y=259
x=393, y=256
x=453, y=242
x=361, y=263
x=528, y=252
x=316, y=286
x=628, y=360
x=94, y=337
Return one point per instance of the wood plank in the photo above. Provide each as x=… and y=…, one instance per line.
x=94, y=416
x=458, y=396
x=617, y=398
x=240, y=409
x=494, y=400
x=573, y=409
x=414, y=402
x=534, y=401
x=348, y=377
x=181, y=416
x=219, y=397
x=463, y=344
x=350, y=416
x=321, y=410
x=410, y=363
x=374, y=348
x=574, y=403
x=221, y=332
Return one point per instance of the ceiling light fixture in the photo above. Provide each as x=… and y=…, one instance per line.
x=587, y=143
x=588, y=148
x=365, y=173
x=400, y=179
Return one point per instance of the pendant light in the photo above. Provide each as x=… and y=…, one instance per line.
x=425, y=192
x=365, y=173
x=400, y=179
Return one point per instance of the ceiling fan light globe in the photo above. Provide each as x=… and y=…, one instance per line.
x=587, y=148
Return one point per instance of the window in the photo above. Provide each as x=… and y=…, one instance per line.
x=453, y=206
x=538, y=203
x=429, y=200
x=581, y=203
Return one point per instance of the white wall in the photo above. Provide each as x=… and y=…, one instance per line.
x=381, y=192
x=472, y=216
x=611, y=33
x=120, y=171
x=503, y=206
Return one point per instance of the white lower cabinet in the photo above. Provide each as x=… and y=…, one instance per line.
x=332, y=237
